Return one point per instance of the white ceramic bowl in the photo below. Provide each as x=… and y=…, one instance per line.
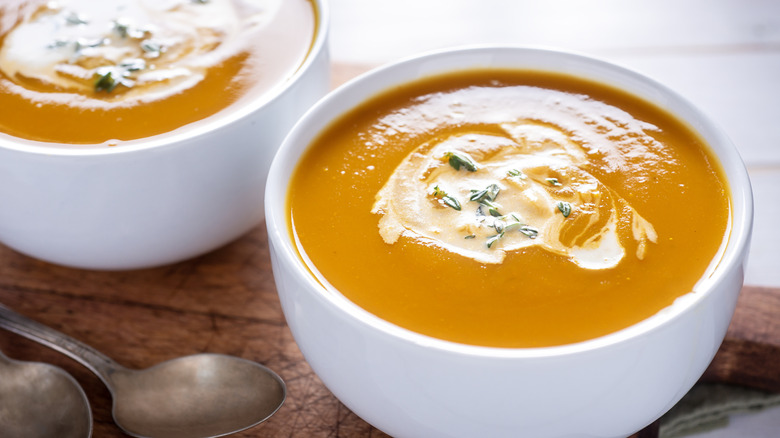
x=410, y=385
x=158, y=201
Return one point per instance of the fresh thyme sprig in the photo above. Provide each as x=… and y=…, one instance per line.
x=489, y=193
x=508, y=223
x=486, y=197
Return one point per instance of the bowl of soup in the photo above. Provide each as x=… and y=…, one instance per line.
x=138, y=133
x=507, y=241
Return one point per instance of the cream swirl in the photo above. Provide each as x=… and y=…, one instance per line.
x=146, y=49
x=483, y=195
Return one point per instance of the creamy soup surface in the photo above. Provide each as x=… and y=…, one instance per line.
x=104, y=72
x=509, y=208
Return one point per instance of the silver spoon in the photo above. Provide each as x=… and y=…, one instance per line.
x=199, y=396
x=39, y=400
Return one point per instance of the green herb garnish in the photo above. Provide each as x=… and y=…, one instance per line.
x=105, y=82
x=493, y=239
x=492, y=208
x=133, y=64
x=457, y=159
x=531, y=232
x=486, y=197
x=554, y=182
x=452, y=202
x=507, y=223
x=59, y=42
x=82, y=43
x=152, y=48
x=489, y=193
x=108, y=78
x=470, y=236
x=75, y=19
x=445, y=198
x=564, y=207
x=516, y=174
x=122, y=27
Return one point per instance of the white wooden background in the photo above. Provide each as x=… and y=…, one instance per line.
x=723, y=55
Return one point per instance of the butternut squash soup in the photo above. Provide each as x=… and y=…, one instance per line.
x=509, y=208
x=104, y=72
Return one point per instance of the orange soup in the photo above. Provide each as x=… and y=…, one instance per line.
x=509, y=208
x=104, y=72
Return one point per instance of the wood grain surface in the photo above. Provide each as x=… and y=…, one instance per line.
x=226, y=302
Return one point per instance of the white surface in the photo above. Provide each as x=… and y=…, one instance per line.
x=410, y=385
x=724, y=55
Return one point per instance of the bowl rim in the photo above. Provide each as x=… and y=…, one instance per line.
x=285, y=161
x=179, y=135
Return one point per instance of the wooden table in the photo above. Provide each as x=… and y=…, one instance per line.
x=224, y=302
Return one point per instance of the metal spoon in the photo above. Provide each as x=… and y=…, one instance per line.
x=39, y=400
x=199, y=396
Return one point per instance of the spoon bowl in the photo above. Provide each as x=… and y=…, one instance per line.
x=39, y=400
x=199, y=396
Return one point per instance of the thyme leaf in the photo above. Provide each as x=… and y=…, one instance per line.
x=564, y=207
x=122, y=27
x=125, y=29
x=481, y=217
x=133, y=64
x=452, y=202
x=531, y=232
x=152, y=48
x=492, y=208
x=493, y=239
x=108, y=78
x=81, y=44
x=75, y=19
x=553, y=182
x=516, y=174
x=489, y=193
x=59, y=42
x=486, y=197
x=457, y=159
x=445, y=198
x=105, y=81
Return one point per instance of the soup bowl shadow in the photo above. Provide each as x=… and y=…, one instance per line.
x=158, y=200
x=412, y=385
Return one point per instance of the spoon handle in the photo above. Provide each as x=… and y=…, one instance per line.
x=95, y=361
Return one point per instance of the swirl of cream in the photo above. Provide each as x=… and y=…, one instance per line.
x=152, y=48
x=526, y=188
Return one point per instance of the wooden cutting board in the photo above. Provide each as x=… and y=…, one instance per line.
x=226, y=302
